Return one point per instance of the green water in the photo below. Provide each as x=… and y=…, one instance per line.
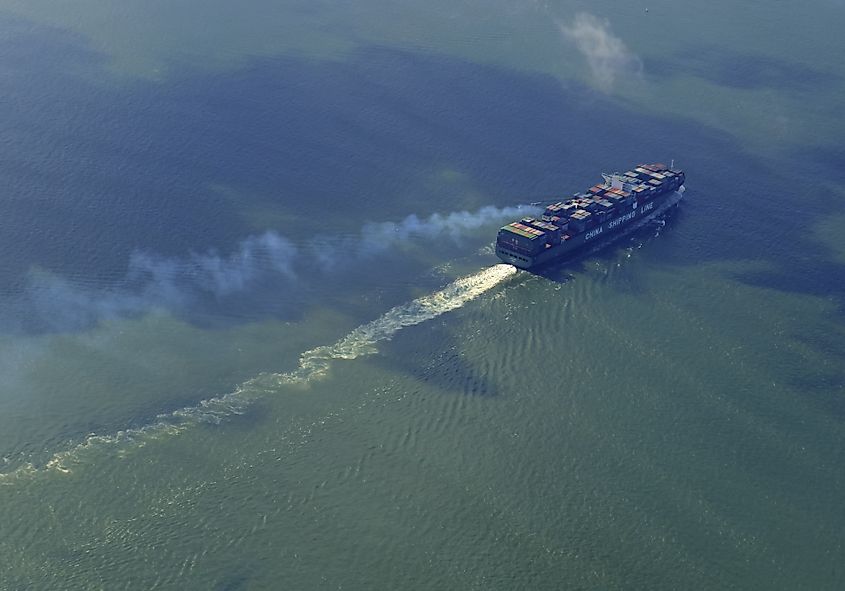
x=666, y=413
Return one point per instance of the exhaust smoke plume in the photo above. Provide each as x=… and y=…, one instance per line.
x=53, y=303
x=607, y=55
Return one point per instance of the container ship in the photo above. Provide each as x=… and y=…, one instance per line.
x=622, y=201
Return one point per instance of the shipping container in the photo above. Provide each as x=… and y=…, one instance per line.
x=552, y=232
x=554, y=209
x=579, y=220
x=535, y=240
x=521, y=238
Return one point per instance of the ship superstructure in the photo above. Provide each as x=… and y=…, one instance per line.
x=621, y=201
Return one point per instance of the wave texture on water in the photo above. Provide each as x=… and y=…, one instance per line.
x=313, y=364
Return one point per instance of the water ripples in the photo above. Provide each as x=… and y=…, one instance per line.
x=313, y=364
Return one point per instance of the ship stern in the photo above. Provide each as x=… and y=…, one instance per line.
x=514, y=258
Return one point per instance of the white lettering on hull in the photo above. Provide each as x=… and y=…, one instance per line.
x=528, y=262
x=593, y=233
x=646, y=208
x=621, y=220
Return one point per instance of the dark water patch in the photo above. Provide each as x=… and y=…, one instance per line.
x=807, y=273
x=446, y=369
x=114, y=169
x=745, y=71
x=829, y=342
x=822, y=161
x=359, y=136
x=100, y=172
x=750, y=210
x=826, y=390
x=86, y=179
x=821, y=379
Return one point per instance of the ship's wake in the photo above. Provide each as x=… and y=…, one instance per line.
x=361, y=341
x=313, y=364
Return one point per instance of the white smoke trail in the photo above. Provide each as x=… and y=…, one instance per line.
x=384, y=235
x=217, y=274
x=179, y=284
x=606, y=54
x=313, y=364
x=153, y=282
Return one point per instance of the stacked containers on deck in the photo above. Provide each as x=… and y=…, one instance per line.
x=522, y=238
x=606, y=210
x=557, y=214
x=618, y=193
x=597, y=190
x=580, y=220
x=621, y=200
x=561, y=223
x=641, y=192
x=570, y=207
x=553, y=210
x=586, y=210
x=650, y=174
x=552, y=231
x=643, y=174
x=590, y=205
x=615, y=199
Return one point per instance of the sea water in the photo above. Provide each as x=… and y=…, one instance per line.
x=253, y=334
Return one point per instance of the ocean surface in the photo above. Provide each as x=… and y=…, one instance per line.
x=253, y=334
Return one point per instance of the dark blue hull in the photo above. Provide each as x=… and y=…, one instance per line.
x=639, y=214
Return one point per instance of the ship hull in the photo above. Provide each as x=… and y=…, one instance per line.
x=638, y=216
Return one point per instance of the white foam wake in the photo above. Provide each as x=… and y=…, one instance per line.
x=362, y=340
x=313, y=364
